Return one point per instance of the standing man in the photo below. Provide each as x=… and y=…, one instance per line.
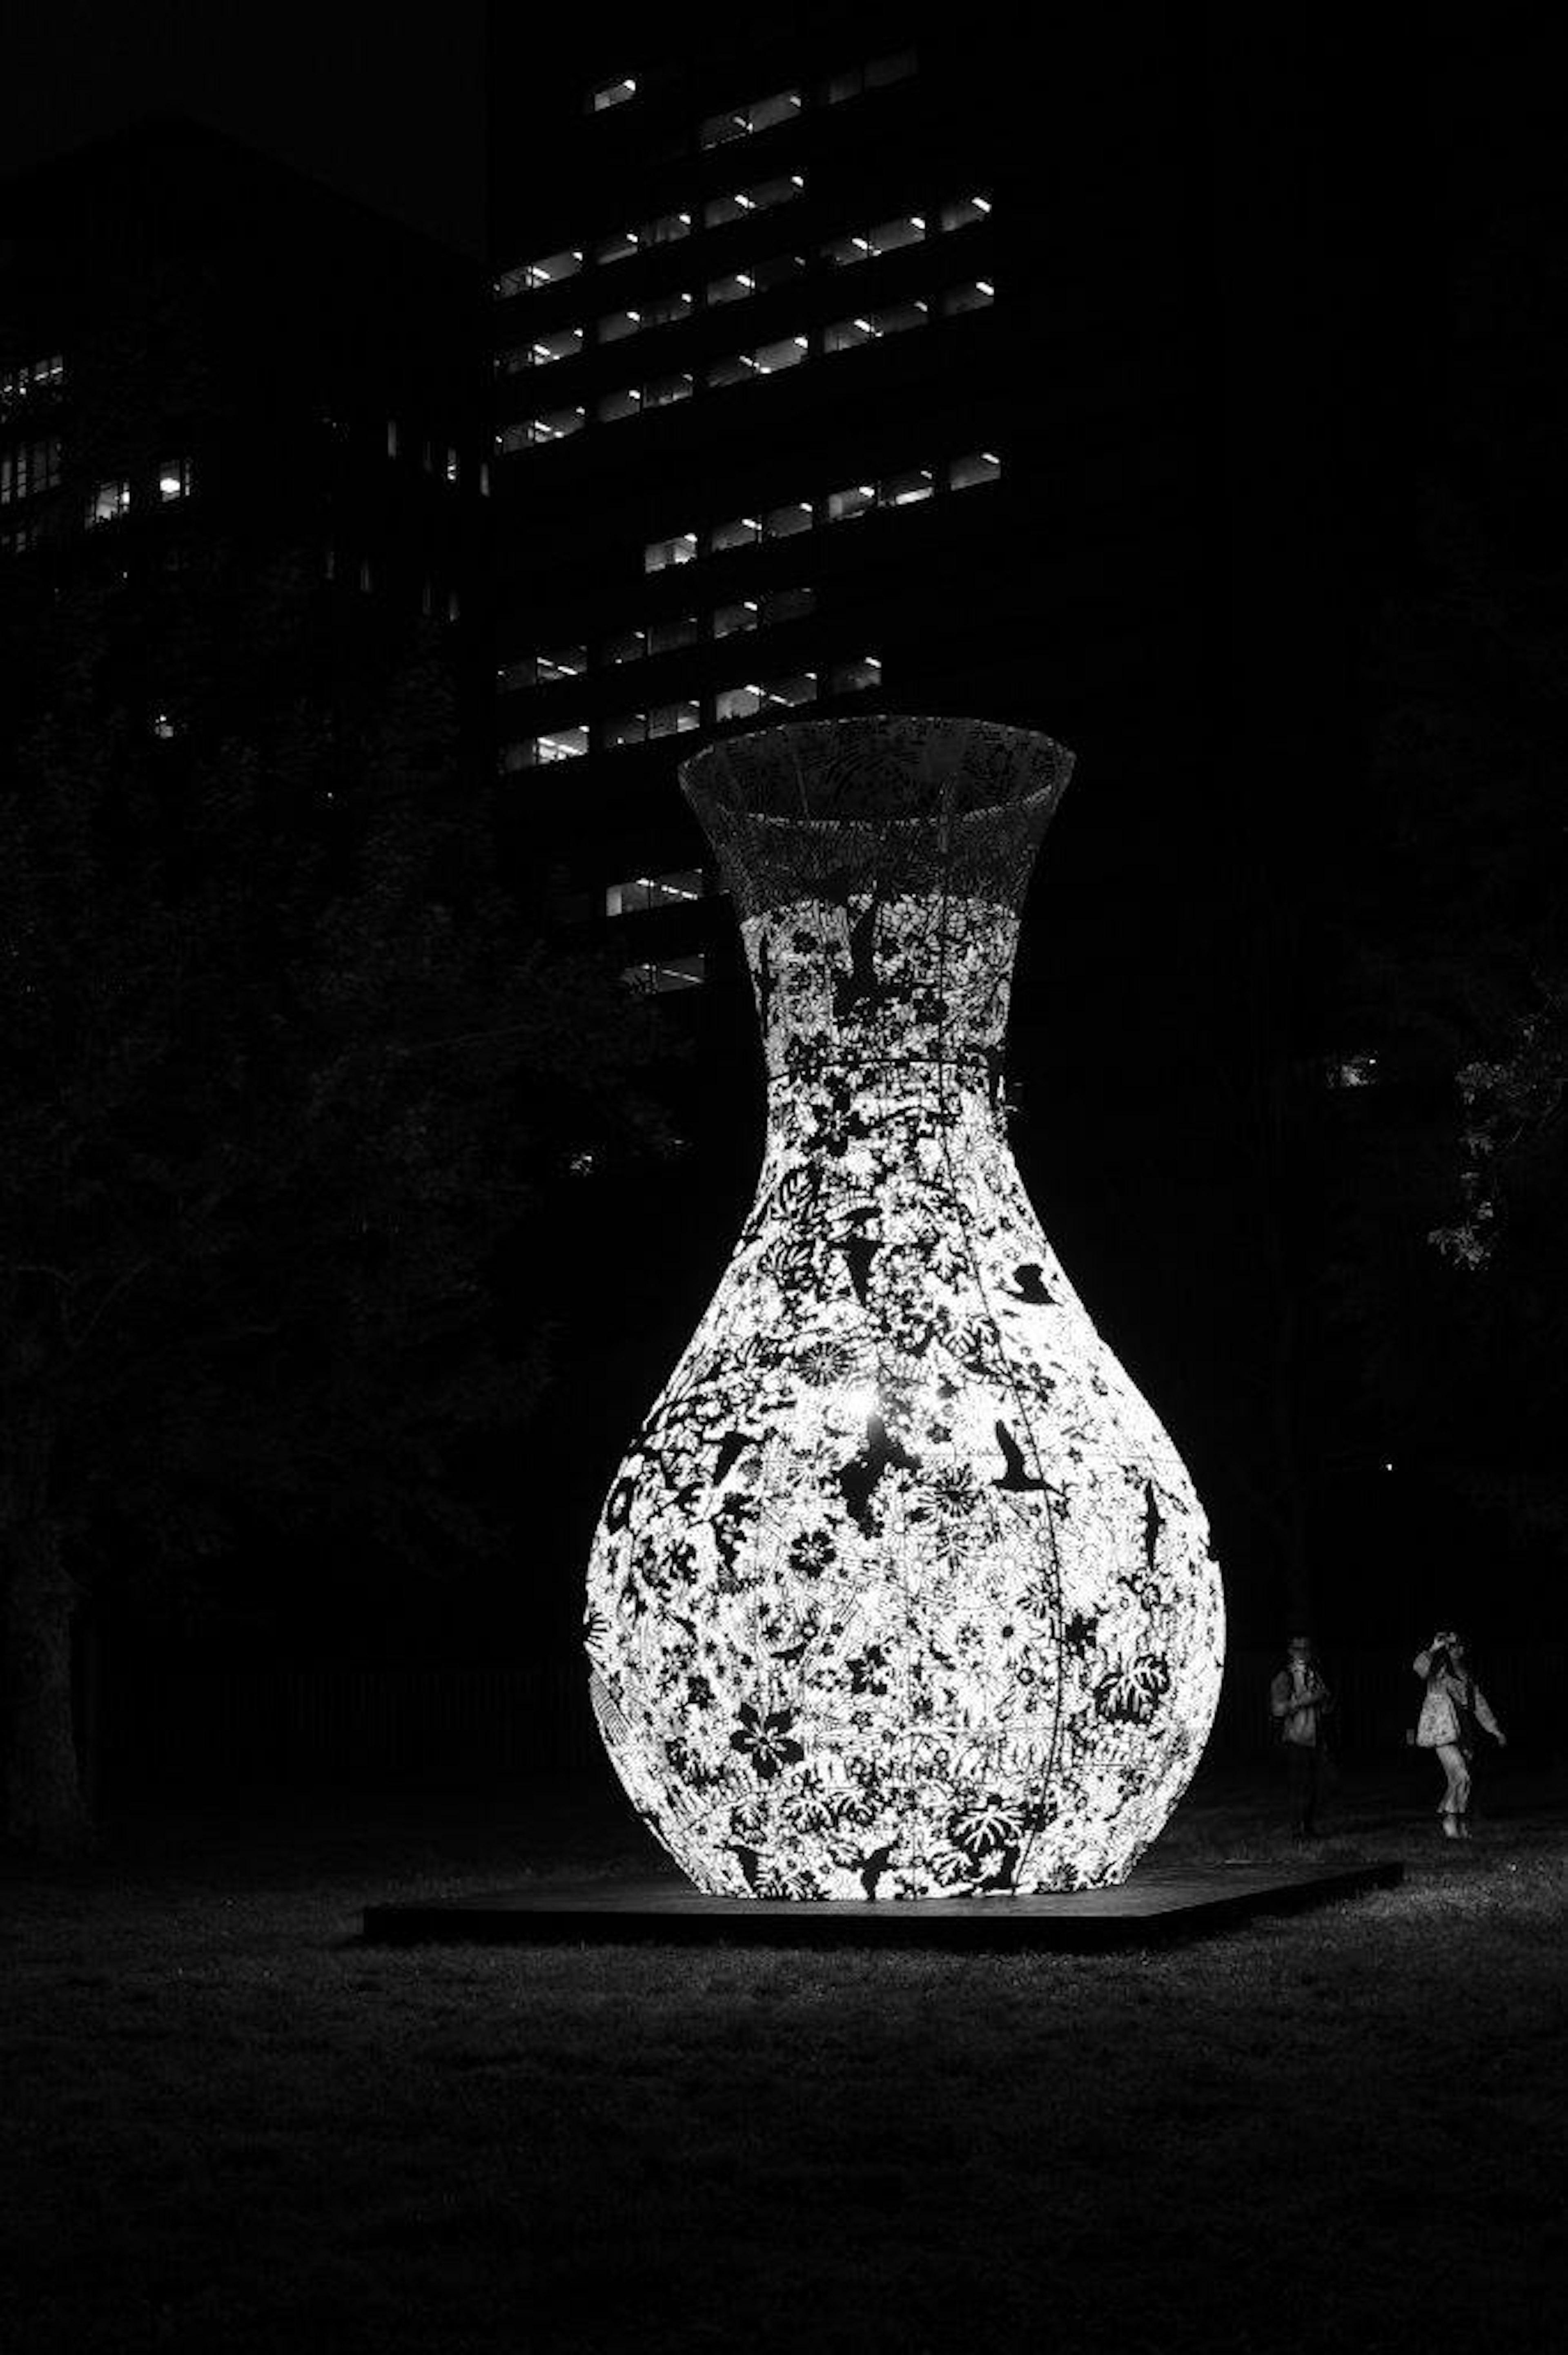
x=1299, y=1701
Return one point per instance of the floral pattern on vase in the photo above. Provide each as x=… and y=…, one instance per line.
x=903, y=1591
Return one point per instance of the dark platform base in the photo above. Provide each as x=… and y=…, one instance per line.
x=667, y=1911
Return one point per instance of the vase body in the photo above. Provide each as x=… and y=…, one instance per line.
x=903, y=1591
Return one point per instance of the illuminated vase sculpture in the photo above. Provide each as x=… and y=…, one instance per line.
x=903, y=1592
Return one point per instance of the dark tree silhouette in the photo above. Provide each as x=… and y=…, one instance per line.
x=279, y=1071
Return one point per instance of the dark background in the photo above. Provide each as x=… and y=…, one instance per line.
x=1391, y=211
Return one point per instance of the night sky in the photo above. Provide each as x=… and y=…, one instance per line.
x=384, y=104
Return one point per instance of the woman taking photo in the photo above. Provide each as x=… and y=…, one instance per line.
x=1453, y=1707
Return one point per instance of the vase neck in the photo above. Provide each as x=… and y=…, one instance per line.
x=904, y=993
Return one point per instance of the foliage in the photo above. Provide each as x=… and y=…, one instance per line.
x=281, y=1072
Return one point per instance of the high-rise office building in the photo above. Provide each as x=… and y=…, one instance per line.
x=834, y=370
x=202, y=346
x=889, y=358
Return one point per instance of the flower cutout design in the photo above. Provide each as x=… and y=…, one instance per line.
x=765, y=1740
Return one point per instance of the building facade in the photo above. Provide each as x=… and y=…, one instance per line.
x=201, y=348
x=831, y=374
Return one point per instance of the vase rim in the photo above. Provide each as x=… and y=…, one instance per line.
x=794, y=774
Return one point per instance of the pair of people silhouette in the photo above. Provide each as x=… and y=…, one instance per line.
x=1454, y=1711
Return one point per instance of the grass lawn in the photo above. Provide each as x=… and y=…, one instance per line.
x=225, y=2128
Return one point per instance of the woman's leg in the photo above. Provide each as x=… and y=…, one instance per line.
x=1456, y=1783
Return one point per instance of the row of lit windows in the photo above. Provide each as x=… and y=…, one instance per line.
x=665, y=228
x=640, y=893
x=27, y=468
x=762, y=113
x=31, y=377
x=738, y=285
x=751, y=699
x=659, y=976
x=771, y=358
x=908, y=487
x=108, y=501
x=668, y=635
x=673, y=633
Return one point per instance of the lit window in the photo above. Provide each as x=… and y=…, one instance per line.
x=736, y=531
x=729, y=619
x=976, y=294
x=617, y=324
x=628, y=728
x=560, y=344
x=840, y=86
x=627, y=645
x=907, y=489
x=560, y=744
x=622, y=244
x=764, y=359
x=782, y=107
x=743, y=122
x=669, y=973
x=366, y=576
x=451, y=463
x=546, y=271
x=33, y=376
x=848, y=334
x=1359, y=1070
x=783, y=523
x=787, y=605
x=642, y=893
x=625, y=401
x=886, y=237
x=680, y=547
x=668, y=636
x=552, y=425
x=664, y=391
x=561, y=662
x=882, y=72
x=674, y=718
x=663, y=310
x=757, y=278
x=962, y=210
x=855, y=677
x=858, y=499
x=162, y=727
x=483, y=479
x=611, y=93
x=976, y=467
x=18, y=539
x=788, y=694
x=329, y=563
x=174, y=480
x=391, y=437
x=108, y=501
x=454, y=606
x=784, y=354
x=737, y=703
x=30, y=467
x=743, y=202
x=893, y=318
